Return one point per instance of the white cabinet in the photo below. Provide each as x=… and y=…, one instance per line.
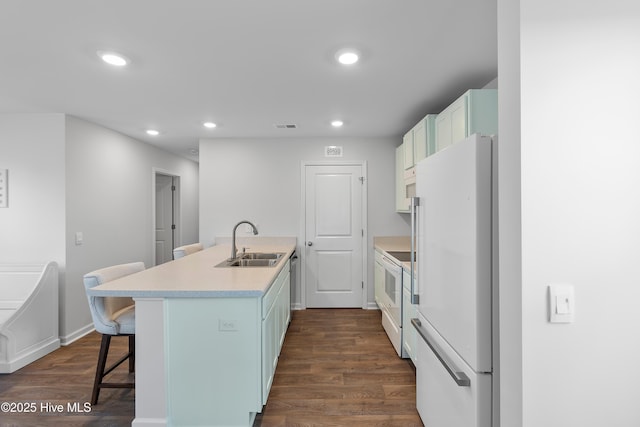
x=269, y=351
x=275, y=320
x=409, y=311
x=424, y=138
x=476, y=111
x=378, y=278
x=417, y=144
x=420, y=141
x=407, y=148
x=402, y=202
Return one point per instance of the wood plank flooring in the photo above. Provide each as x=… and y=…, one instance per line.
x=65, y=377
x=337, y=368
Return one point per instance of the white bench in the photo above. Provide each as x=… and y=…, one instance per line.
x=28, y=313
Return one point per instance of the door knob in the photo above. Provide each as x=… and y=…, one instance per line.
x=309, y=243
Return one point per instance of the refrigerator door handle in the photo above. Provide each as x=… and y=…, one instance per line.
x=458, y=376
x=415, y=202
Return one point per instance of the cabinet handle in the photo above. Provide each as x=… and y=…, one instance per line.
x=309, y=243
x=458, y=376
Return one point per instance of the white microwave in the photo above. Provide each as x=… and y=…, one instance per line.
x=410, y=183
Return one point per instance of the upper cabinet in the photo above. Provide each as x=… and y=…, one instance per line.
x=476, y=111
x=420, y=141
x=407, y=149
x=402, y=202
x=424, y=137
x=417, y=143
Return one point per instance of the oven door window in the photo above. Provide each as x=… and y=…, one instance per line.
x=391, y=287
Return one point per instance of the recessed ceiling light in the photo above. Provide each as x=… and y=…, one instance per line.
x=152, y=132
x=209, y=125
x=337, y=123
x=113, y=58
x=347, y=56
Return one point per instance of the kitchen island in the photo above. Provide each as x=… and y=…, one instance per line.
x=207, y=337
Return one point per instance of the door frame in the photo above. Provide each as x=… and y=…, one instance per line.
x=177, y=235
x=303, y=216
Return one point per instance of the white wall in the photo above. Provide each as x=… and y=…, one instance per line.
x=109, y=199
x=509, y=375
x=32, y=149
x=259, y=180
x=580, y=176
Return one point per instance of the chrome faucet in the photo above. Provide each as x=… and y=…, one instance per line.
x=233, y=238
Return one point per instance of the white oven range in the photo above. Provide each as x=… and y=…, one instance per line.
x=388, y=294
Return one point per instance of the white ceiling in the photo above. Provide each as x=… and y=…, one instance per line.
x=244, y=64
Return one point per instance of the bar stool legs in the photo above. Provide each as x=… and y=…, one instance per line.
x=102, y=370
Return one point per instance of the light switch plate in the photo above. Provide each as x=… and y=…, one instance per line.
x=561, y=303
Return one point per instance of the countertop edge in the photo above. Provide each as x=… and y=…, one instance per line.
x=230, y=292
x=386, y=244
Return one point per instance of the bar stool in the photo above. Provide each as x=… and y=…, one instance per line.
x=112, y=316
x=185, y=250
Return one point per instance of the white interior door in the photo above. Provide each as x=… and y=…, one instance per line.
x=333, y=236
x=164, y=218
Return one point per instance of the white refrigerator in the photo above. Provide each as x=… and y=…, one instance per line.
x=454, y=232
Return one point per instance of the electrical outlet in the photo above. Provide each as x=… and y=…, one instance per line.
x=226, y=325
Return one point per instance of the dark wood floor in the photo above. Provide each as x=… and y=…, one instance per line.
x=65, y=377
x=337, y=368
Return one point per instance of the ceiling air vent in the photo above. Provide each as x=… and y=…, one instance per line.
x=285, y=126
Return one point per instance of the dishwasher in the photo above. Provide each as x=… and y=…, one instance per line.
x=294, y=262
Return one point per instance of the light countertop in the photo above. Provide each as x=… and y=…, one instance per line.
x=394, y=244
x=196, y=276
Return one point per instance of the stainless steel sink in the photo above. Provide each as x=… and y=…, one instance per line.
x=262, y=255
x=253, y=259
x=252, y=263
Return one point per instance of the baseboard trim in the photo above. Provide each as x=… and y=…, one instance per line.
x=77, y=334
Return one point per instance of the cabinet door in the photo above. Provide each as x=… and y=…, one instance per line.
x=430, y=131
x=407, y=144
x=458, y=112
x=269, y=350
x=443, y=130
x=482, y=110
x=451, y=124
x=420, y=140
x=378, y=277
x=402, y=203
x=284, y=308
x=408, y=312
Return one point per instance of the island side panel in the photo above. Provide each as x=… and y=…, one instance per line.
x=150, y=366
x=213, y=360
